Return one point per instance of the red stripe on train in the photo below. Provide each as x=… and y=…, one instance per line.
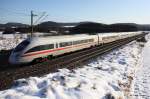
x=42, y=52
x=52, y=50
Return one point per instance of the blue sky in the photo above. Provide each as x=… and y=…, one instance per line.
x=103, y=11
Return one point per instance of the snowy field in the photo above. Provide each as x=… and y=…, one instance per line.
x=107, y=76
x=141, y=83
x=9, y=41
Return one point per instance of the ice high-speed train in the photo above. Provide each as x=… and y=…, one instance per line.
x=37, y=48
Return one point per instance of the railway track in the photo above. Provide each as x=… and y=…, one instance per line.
x=68, y=61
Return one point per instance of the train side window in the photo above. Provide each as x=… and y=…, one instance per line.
x=82, y=41
x=41, y=47
x=46, y=47
x=70, y=43
x=91, y=40
x=63, y=44
x=87, y=41
x=34, y=49
x=105, y=38
x=51, y=46
x=79, y=42
x=74, y=42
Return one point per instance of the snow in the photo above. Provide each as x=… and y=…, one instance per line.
x=104, y=77
x=141, y=83
x=9, y=41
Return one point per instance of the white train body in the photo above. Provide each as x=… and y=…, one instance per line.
x=39, y=47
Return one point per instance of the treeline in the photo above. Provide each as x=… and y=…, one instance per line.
x=91, y=27
x=74, y=28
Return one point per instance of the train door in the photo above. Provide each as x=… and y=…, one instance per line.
x=57, y=45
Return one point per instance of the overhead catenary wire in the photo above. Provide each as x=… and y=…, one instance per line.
x=43, y=18
x=21, y=13
x=43, y=14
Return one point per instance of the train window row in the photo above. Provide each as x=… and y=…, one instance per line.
x=82, y=41
x=63, y=44
x=41, y=47
x=109, y=37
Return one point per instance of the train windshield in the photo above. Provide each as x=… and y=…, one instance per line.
x=21, y=46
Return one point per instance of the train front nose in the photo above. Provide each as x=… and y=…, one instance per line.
x=14, y=58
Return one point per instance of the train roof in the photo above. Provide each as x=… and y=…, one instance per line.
x=117, y=33
x=64, y=38
x=53, y=39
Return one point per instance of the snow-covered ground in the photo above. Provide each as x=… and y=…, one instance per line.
x=107, y=76
x=9, y=41
x=141, y=83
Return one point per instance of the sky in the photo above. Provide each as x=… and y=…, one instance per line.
x=102, y=11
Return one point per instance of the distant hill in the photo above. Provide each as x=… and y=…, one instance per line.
x=56, y=24
x=2, y=27
x=88, y=27
x=144, y=27
x=49, y=24
x=11, y=27
x=69, y=24
x=92, y=27
x=123, y=27
x=75, y=27
x=13, y=24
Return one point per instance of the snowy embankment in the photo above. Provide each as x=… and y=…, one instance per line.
x=107, y=76
x=141, y=82
x=9, y=41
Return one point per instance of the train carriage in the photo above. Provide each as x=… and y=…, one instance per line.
x=38, y=47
